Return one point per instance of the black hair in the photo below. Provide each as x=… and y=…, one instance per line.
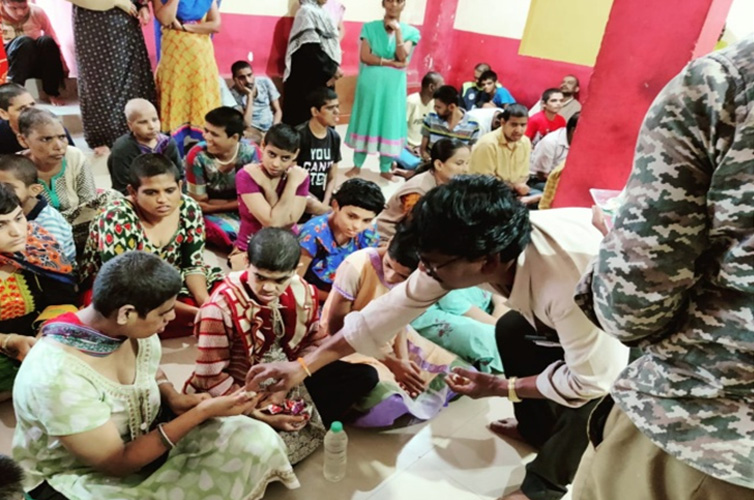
x=447, y=94
x=230, y=119
x=471, y=216
x=488, y=75
x=8, y=199
x=403, y=246
x=8, y=92
x=549, y=92
x=430, y=78
x=321, y=96
x=238, y=66
x=274, y=249
x=20, y=167
x=31, y=118
x=139, y=279
x=442, y=150
x=151, y=165
x=12, y=482
x=360, y=193
x=515, y=110
x=573, y=122
x=578, y=83
x=283, y=136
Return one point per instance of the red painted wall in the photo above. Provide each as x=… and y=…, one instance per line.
x=452, y=52
x=641, y=51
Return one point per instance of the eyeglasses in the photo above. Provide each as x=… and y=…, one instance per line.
x=431, y=269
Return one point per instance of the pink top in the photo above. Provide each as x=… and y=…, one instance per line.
x=249, y=224
x=35, y=25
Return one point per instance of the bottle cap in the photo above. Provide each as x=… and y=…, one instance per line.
x=336, y=426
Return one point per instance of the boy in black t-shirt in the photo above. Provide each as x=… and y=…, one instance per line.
x=320, y=150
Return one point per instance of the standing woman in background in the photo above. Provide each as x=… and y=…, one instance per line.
x=312, y=59
x=378, y=119
x=188, y=81
x=113, y=65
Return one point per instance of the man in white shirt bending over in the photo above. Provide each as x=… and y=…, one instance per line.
x=557, y=363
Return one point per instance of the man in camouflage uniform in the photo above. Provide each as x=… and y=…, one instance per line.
x=676, y=278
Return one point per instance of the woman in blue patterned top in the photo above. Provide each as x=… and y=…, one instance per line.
x=328, y=239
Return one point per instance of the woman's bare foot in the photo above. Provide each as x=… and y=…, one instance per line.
x=506, y=428
x=56, y=100
x=101, y=151
x=387, y=175
x=354, y=172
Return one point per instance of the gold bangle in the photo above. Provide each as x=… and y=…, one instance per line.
x=512, y=395
x=304, y=366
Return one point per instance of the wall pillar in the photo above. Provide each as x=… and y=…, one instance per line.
x=646, y=44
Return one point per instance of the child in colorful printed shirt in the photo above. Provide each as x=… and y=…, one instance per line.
x=328, y=239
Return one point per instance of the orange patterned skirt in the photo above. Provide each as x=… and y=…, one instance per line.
x=188, y=83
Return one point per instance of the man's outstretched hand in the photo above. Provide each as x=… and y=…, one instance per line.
x=284, y=374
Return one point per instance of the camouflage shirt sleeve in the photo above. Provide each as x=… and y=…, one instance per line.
x=647, y=265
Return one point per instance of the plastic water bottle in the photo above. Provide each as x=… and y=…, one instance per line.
x=336, y=444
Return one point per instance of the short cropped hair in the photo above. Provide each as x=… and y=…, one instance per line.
x=283, y=136
x=230, y=119
x=151, y=165
x=8, y=199
x=238, y=66
x=8, y=92
x=360, y=193
x=430, y=78
x=482, y=66
x=488, y=75
x=274, y=249
x=549, y=92
x=402, y=247
x=31, y=118
x=11, y=486
x=139, y=279
x=20, y=167
x=321, y=96
x=482, y=214
x=515, y=110
x=447, y=94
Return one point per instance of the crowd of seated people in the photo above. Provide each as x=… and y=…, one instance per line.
x=114, y=271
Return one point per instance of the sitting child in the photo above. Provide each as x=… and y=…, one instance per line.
x=20, y=174
x=35, y=280
x=211, y=168
x=328, y=239
x=267, y=313
x=411, y=371
x=493, y=95
x=156, y=218
x=320, y=150
x=272, y=193
x=97, y=416
x=145, y=137
x=62, y=170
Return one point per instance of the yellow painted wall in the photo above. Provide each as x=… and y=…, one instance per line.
x=356, y=10
x=566, y=30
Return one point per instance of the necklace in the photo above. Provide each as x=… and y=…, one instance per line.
x=84, y=339
x=232, y=158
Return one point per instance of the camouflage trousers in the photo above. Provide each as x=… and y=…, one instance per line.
x=626, y=465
